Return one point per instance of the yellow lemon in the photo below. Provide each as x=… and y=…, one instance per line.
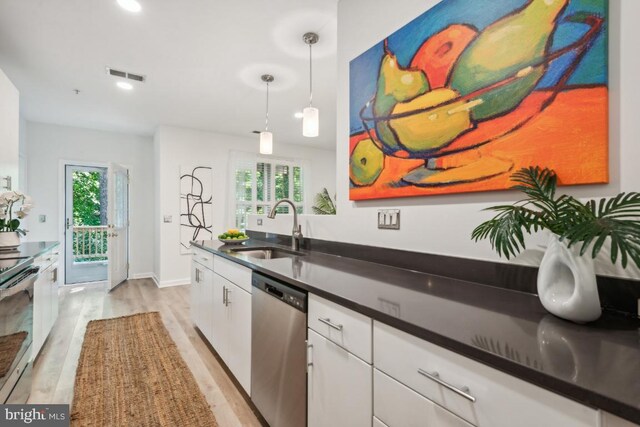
x=431, y=129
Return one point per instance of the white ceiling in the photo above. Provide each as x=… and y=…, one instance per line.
x=203, y=60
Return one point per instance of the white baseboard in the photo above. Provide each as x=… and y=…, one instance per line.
x=168, y=283
x=143, y=276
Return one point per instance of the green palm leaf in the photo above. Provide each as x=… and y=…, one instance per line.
x=590, y=224
x=324, y=204
x=616, y=219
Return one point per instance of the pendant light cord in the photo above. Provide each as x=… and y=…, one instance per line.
x=310, y=77
x=266, y=124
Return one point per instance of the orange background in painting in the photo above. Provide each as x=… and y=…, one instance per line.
x=570, y=137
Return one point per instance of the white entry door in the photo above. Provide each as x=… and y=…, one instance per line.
x=118, y=218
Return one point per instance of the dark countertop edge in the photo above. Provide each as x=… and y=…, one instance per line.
x=45, y=247
x=571, y=391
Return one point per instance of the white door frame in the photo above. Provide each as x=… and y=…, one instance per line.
x=62, y=165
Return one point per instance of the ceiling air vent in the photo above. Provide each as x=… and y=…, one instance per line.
x=126, y=75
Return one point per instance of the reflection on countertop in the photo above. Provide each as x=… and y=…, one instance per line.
x=597, y=364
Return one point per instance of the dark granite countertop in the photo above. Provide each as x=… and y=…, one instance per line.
x=596, y=364
x=13, y=261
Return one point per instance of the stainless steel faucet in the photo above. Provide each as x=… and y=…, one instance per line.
x=296, y=235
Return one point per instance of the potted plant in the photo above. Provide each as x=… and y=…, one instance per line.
x=10, y=217
x=566, y=279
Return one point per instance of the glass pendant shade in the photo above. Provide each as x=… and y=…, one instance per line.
x=310, y=122
x=266, y=142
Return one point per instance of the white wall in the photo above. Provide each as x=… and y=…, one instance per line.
x=443, y=224
x=9, y=130
x=177, y=146
x=49, y=145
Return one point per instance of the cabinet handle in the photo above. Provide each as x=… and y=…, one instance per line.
x=197, y=276
x=228, y=301
x=309, y=355
x=204, y=259
x=224, y=295
x=464, y=391
x=328, y=322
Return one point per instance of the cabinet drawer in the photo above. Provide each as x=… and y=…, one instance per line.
x=398, y=406
x=348, y=329
x=202, y=257
x=47, y=259
x=233, y=272
x=493, y=398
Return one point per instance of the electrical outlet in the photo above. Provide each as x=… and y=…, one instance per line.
x=42, y=218
x=168, y=219
x=389, y=219
x=259, y=221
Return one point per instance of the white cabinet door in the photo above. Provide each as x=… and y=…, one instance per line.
x=339, y=386
x=609, y=420
x=378, y=423
x=197, y=279
x=39, y=297
x=219, y=317
x=55, y=297
x=239, y=334
x=207, y=308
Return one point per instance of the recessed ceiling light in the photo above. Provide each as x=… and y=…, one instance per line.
x=130, y=5
x=124, y=85
x=298, y=115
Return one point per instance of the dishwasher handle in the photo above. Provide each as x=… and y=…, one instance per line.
x=274, y=291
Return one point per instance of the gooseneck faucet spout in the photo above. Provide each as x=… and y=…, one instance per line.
x=296, y=235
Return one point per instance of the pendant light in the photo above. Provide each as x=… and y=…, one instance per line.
x=266, y=137
x=311, y=115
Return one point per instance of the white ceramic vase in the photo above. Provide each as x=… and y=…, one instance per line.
x=9, y=239
x=567, y=283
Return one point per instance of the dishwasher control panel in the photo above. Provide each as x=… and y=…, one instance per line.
x=284, y=292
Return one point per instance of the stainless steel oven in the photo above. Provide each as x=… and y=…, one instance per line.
x=16, y=332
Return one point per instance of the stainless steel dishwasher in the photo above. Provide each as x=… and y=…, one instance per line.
x=278, y=352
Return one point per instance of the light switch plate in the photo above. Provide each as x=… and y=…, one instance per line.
x=389, y=219
x=168, y=219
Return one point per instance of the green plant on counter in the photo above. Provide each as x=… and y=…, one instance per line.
x=594, y=222
x=324, y=204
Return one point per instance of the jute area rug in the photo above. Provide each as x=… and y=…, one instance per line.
x=130, y=373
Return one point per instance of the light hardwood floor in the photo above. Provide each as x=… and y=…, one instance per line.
x=54, y=371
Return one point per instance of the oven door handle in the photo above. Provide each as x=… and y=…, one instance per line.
x=24, y=283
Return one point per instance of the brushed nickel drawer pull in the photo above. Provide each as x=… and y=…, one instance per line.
x=464, y=392
x=328, y=322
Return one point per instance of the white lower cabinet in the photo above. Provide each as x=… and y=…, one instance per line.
x=609, y=420
x=481, y=395
x=222, y=312
x=232, y=328
x=399, y=406
x=339, y=386
x=45, y=301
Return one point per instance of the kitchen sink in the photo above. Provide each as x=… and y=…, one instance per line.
x=268, y=252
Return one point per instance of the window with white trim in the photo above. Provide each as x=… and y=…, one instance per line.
x=259, y=182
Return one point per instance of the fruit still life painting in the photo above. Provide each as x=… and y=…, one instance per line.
x=471, y=91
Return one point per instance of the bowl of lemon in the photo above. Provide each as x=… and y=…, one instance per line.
x=233, y=237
